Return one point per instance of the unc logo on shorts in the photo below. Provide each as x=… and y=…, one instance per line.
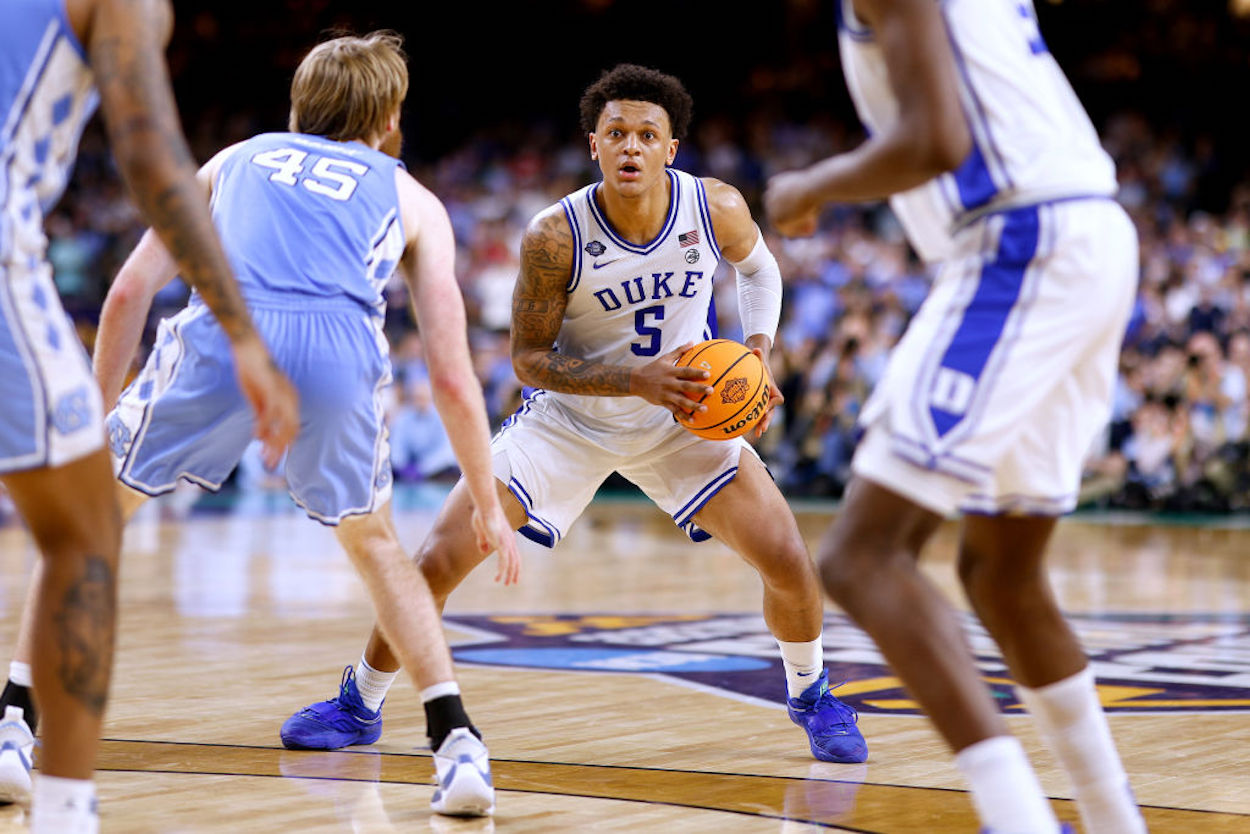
x=735, y=390
x=72, y=411
x=119, y=436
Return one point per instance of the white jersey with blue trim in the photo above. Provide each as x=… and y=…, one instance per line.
x=305, y=216
x=629, y=303
x=1032, y=140
x=46, y=97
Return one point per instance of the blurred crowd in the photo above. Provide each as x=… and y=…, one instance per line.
x=1178, y=438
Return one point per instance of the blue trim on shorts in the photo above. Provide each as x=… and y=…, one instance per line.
x=985, y=317
x=549, y=535
x=685, y=515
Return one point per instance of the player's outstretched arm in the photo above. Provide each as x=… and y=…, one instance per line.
x=929, y=137
x=125, y=312
x=428, y=267
x=759, y=279
x=125, y=42
x=538, y=304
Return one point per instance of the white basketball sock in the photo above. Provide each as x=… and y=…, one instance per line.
x=62, y=806
x=1005, y=790
x=803, y=662
x=1072, y=723
x=372, y=684
x=20, y=674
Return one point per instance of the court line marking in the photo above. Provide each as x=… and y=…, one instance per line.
x=523, y=776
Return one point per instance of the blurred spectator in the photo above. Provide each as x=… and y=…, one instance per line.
x=420, y=447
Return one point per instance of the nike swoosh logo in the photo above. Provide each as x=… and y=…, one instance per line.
x=597, y=265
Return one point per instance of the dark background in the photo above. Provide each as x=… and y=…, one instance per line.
x=515, y=70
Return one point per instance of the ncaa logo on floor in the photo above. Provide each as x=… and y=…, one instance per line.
x=1144, y=663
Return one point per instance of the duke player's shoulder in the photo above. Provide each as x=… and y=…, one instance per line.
x=723, y=198
x=731, y=217
x=548, y=237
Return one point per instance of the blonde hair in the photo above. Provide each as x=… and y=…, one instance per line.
x=347, y=88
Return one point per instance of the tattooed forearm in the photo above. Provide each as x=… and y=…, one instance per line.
x=557, y=372
x=538, y=304
x=127, y=60
x=85, y=619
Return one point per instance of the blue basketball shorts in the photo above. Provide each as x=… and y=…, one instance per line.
x=50, y=409
x=184, y=416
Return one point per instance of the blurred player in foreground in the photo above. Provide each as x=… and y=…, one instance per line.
x=58, y=59
x=997, y=389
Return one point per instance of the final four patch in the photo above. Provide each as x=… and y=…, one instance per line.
x=1143, y=662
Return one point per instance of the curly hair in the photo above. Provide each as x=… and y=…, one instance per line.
x=635, y=83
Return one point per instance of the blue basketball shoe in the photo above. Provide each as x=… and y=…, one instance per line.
x=338, y=722
x=830, y=724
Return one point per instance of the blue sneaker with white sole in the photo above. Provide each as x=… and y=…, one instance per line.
x=341, y=721
x=830, y=724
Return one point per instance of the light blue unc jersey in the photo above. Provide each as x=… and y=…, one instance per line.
x=1032, y=140
x=51, y=411
x=312, y=229
x=308, y=216
x=629, y=303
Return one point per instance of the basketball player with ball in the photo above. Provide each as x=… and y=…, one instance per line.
x=615, y=286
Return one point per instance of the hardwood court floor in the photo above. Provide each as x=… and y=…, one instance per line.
x=638, y=693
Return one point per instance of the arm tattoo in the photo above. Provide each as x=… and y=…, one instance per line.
x=538, y=305
x=147, y=140
x=84, y=622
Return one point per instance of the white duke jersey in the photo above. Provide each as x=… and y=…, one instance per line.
x=629, y=303
x=46, y=96
x=1032, y=141
x=306, y=217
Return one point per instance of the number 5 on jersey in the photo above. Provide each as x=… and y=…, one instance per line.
x=333, y=178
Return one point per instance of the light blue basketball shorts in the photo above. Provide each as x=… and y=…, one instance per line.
x=184, y=416
x=50, y=409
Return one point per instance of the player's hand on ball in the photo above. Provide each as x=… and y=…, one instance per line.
x=774, y=398
x=788, y=205
x=662, y=382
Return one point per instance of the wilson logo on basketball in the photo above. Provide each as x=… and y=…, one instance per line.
x=735, y=390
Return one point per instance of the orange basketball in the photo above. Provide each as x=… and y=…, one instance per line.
x=739, y=389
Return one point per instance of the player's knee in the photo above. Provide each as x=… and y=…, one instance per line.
x=788, y=562
x=994, y=584
x=843, y=570
x=437, y=560
x=97, y=532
